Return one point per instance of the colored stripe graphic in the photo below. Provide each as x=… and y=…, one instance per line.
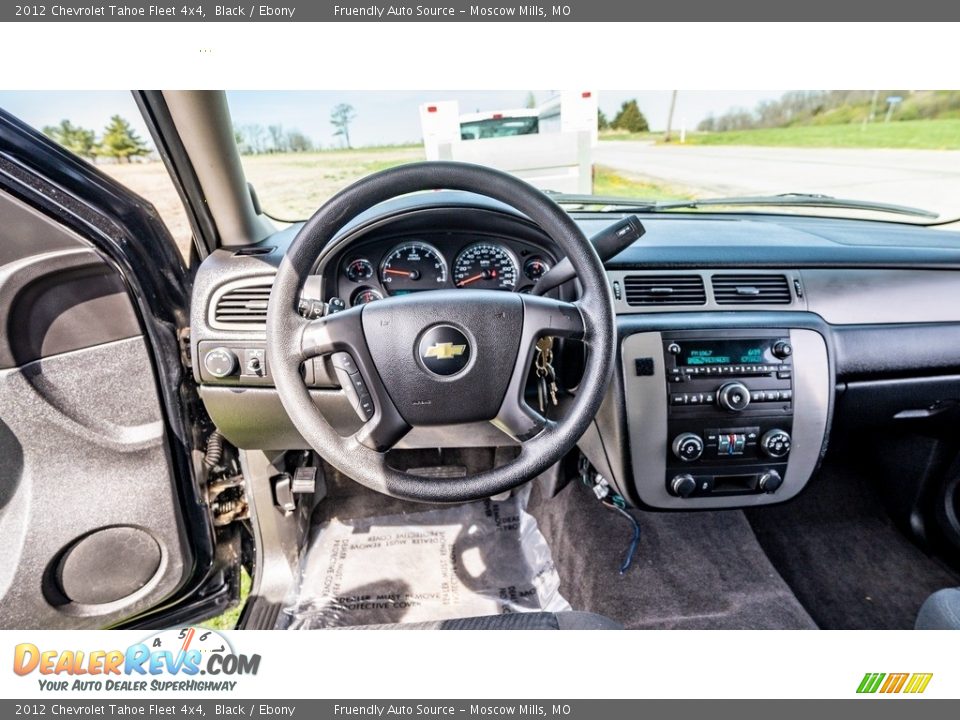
x=918, y=682
x=895, y=682
x=913, y=683
x=871, y=682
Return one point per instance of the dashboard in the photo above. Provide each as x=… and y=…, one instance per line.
x=743, y=338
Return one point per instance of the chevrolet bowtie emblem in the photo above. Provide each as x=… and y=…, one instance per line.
x=445, y=351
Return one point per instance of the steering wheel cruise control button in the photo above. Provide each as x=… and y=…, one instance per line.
x=344, y=361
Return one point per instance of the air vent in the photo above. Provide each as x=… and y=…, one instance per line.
x=244, y=305
x=751, y=290
x=664, y=290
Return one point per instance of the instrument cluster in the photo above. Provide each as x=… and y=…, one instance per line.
x=371, y=271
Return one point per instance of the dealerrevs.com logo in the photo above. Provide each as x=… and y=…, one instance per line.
x=894, y=683
x=172, y=660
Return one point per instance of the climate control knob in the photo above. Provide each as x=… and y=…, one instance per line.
x=733, y=396
x=688, y=446
x=775, y=443
x=769, y=481
x=221, y=362
x=683, y=486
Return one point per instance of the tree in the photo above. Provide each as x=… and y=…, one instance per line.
x=341, y=117
x=121, y=141
x=278, y=141
x=630, y=118
x=296, y=141
x=76, y=139
x=531, y=102
x=602, y=122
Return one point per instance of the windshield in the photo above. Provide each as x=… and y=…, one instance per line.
x=846, y=153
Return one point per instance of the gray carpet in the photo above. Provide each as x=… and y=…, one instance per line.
x=849, y=565
x=692, y=570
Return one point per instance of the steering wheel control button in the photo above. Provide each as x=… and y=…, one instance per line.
x=775, y=443
x=344, y=361
x=444, y=350
x=688, y=447
x=734, y=397
x=365, y=405
x=220, y=362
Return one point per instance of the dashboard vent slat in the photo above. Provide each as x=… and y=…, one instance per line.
x=751, y=290
x=243, y=305
x=664, y=290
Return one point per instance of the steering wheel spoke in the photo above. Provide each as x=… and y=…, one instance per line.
x=341, y=336
x=542, y=317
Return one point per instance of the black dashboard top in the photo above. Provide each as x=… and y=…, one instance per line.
x=698, y=239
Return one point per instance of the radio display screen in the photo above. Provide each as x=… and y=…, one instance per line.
x=725, y=352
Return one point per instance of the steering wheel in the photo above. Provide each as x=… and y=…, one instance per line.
x=441, y=357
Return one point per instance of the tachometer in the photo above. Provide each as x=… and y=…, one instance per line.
x=485, y=266
x=411, y=267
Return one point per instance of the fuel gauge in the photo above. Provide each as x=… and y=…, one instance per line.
x=358, y=270
x=535, y=268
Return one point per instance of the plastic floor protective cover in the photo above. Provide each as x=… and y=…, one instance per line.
x=481, y=558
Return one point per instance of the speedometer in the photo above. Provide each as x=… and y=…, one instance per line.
x=411, y=267
x=485, y=266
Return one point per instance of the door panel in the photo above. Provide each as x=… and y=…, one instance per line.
x=90, y=518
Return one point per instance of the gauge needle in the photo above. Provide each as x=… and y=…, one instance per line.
x=485, y=275
x=404, y=273
x=478, y=276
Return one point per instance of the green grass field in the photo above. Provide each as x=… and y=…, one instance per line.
x=913, y=134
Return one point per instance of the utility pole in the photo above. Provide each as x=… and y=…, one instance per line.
x=673, y=105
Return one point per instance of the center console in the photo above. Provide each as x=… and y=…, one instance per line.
x=724, y=418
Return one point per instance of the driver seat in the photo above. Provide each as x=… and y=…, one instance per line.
x=570, y=620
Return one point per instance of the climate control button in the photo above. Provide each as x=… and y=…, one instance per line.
x=688, y=446
x=775, y=443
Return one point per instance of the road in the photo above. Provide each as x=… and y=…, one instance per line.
x=928, y=179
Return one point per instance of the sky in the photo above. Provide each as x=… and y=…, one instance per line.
x=382, y=117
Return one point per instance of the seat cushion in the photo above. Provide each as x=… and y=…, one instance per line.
x=509, y=621
x=940, y=611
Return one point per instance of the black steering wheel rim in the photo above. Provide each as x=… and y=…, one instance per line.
x=291, y=339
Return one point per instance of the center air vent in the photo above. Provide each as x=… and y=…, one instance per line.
x=244, y=305
x=664, y=290
x=751, y=290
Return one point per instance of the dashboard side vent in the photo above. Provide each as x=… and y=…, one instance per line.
x=664, y=290
x=759, y=289
x=244, y=305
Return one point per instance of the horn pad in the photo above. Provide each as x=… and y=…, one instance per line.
x=445, y=357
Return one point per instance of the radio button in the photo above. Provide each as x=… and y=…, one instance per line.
x=678, y=399
x=734, y=397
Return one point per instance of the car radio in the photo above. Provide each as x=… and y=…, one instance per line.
x=729, y=411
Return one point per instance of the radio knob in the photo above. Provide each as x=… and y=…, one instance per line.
x=734, y=396
x=220, y=362
x=688, y=446
x=782, y=349
x=775, y=443
x=683, y=486
x=770, y=481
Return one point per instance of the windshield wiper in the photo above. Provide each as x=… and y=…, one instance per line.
x=619, y=204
